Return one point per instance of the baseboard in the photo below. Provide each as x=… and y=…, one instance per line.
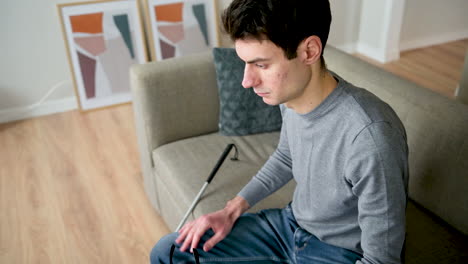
x=348, y=48
x=387, y=56
x=433, y=40
x=370, y=52
x=30, y=111
x=377, y=54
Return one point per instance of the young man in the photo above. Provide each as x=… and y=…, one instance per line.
x=345, y=148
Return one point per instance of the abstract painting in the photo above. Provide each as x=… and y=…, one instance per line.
x=103, y=40
x=181, y=27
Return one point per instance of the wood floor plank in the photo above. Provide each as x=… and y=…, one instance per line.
x=437, y=68
x=77, y=194
x=36, y=230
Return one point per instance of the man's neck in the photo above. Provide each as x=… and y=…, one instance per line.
x=320, y=86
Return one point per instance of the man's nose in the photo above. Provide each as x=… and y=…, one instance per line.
x=250, y=79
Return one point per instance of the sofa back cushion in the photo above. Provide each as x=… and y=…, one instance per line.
x=437, y=129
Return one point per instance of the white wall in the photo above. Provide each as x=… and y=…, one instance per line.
x=344, y=31
x=386, y=27
x=34, y=60
x=431, y=22
x=380, y=28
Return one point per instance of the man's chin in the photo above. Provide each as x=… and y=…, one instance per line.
x=270, y=102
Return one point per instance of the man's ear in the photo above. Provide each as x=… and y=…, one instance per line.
x=310, y=50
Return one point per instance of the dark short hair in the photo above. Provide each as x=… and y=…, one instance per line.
x=284, y=22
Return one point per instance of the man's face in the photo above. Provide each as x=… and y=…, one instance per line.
x=272, y=76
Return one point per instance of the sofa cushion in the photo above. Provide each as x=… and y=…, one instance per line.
x=242, y=112
x=187, y=163
x=430, y=240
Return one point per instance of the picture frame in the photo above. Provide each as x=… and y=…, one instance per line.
x=103, y=39
x=181, y=27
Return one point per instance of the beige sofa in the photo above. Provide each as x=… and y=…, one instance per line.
x=176, y=110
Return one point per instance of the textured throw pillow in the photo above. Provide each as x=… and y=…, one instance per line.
x=242, y=112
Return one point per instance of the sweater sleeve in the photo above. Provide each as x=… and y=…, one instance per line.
x=274, y=174
x=378, y=172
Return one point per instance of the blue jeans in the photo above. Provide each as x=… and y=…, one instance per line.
x=270, y=236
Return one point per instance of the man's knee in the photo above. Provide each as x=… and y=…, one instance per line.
x=160, y=252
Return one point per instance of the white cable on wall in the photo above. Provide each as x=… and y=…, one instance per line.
x=41, y=101
x=39, y=108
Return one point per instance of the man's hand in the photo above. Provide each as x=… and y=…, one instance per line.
x=221, y=222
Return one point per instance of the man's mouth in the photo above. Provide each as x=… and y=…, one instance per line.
x=261, y=94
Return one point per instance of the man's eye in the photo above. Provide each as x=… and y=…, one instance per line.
x=261, y=66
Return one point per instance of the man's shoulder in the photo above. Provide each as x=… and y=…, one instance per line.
x=368, y=106
x=372, y=113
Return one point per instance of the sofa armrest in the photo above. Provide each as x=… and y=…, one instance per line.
x=172, y=99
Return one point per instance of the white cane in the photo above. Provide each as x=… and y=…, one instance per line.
x=208, y=181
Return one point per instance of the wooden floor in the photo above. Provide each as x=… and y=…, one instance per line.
x=71, y=191
x=71, y=188
x=436, y=67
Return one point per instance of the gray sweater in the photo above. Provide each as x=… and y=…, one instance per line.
x=349, y=157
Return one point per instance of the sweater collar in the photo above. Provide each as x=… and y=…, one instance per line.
x=329, y=102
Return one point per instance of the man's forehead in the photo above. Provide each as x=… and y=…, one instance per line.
x=254, y=42
x=250, y=50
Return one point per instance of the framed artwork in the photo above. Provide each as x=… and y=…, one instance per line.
x=181, y=27
x=103, y=39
